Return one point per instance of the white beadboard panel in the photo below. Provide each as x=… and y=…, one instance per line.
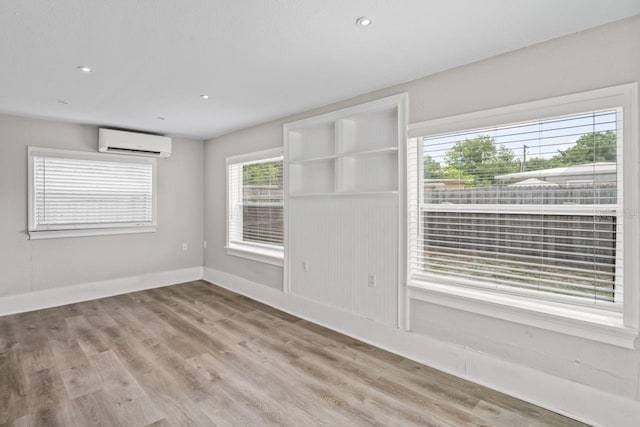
x=343, y=240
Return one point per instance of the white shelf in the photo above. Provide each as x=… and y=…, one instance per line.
x=347, y=153
x=370, y=152
x=314, y=159
x=351, y=154
x=344, y=194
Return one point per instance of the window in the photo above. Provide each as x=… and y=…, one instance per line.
x=76, y=193
x=530, y=206
x=256, y=206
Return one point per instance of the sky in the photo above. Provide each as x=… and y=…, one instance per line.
x=543, y=138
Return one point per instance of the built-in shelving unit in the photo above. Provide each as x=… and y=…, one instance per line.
x=349, y=154
x=343, y=199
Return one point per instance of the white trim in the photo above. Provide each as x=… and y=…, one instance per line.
x=36, y=232
x=560, y=395
x=631, y=218
x=403, y=235
x=621, y=332
x=588, y=210
x=286, y=276
x=273, y=256
x=254, y=156
x=556, y=394
x=598, y=99
x=398, y=100
x=105, y=231
x=78, y=154
x=261, y=253
x=89, y=291
x=596, y=325
x=570, y=303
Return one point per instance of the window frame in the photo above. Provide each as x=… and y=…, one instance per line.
x=613, y=326
x=36, y=232
x=265, y=253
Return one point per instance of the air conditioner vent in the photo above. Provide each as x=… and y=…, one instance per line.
x=133, y=143
x=132, y=151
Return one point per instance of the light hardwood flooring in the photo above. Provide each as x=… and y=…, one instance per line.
x=198, y=355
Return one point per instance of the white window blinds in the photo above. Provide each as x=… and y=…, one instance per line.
x=86, y=190
x=256, y=202
x=531, y=208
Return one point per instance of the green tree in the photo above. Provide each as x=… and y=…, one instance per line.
x=539, y=163
x=453, y=173
x=590, y=148
x=432, y=168
x=481, y=159
x=266, y=173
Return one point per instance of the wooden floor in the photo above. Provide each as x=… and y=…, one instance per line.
x=196, y=354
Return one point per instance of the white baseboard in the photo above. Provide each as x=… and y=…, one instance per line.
x=88, y=291
x=569, y=398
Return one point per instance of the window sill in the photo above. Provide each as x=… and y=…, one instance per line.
x=592, y=324
x=265, y=255
x=58, y=234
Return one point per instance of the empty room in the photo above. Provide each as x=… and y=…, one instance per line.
x=319, y=212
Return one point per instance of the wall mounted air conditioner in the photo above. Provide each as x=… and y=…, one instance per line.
x=133, y=143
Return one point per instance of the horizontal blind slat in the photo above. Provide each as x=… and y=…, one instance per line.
x=478, y=219
x=69, y=191
x=257, y=202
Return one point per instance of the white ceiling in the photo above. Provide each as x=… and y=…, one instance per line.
x=257, y=59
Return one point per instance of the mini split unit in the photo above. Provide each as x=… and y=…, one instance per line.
x=138, y=144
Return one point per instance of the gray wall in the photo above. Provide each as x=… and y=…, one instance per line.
x=33, y=265
x=215, y=181
x=596, y=58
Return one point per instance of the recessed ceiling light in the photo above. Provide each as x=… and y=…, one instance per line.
x=203, y=96
x=160, y=118
x=85, y=69
x=60, y=101
x=363, y=21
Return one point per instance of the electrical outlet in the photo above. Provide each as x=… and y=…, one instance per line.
x=371, y=280
x=185, y=246
x=305, y=266
x=205, y=244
